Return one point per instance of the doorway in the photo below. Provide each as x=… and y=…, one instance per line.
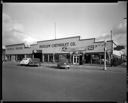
x=80, y=60
x=75, y=59
x=38, y=55
x=87, y=58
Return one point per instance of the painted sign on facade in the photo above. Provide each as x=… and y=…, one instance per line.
x=58, y=45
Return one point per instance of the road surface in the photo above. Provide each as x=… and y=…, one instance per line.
x=47, y=83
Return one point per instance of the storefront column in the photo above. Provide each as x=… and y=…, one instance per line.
x=25, y=56
x=32, y=56
x=71, y=57
x=53, y=58
x=73, y=60
x=91, y=59
x=100, y=59
x=15, y=57
x=48, y=57
x=83, y=58
x=42, y=57
x=10, y=57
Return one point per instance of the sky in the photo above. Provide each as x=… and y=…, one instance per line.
x=31, y=22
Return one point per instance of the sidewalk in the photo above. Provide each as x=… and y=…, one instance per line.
x=119, y=68
x=93, y=67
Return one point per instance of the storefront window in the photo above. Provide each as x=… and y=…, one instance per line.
x=56, y=57
x=45, y=57
x=51, y=58
x=87, y=58
x=95, y=59
x=20, y=57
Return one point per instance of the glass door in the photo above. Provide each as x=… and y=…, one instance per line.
x=75, y=59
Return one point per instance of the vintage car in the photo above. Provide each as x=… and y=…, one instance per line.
x=35, y=61
x=63, y=63
x=25, y=61
x=30, y=61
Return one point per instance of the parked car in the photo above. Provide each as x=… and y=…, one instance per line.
x=30, y=61
x=35, y=61
x=63, y=63
x=25, y=61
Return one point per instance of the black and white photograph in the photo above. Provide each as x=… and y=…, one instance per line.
x=64, y=51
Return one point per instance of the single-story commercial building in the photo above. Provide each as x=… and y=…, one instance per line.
x=75, y=49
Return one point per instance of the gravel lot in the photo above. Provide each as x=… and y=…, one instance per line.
x=48, y=83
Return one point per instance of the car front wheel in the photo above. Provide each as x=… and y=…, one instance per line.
x=67, y=68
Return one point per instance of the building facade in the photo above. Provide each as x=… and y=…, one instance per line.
x=3, y=55
x=75, y=49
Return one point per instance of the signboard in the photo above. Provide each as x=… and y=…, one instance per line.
x=58, y=45
x=64, y=48
x=17, y=48
x=91, y=47
x=10, y=48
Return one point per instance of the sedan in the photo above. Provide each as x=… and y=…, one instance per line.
x=63, y=64
x=25, y=61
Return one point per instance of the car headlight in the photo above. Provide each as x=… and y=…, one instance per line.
x=21, y=62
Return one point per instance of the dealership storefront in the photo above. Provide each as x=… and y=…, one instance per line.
x=76, y=50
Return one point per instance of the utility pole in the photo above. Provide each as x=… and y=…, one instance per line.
x=111, y=49
x=55, y=29
x=111, y=35
x=105, y=55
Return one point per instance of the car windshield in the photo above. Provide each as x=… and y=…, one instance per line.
x=25, y=58
x=63, y=60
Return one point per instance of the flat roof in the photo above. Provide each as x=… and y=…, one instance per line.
x=15, y=44
x=33, y=44
x=103, y=41
x=59, y=39
x=87, y=39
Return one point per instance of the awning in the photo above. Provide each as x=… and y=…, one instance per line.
x=118, y=53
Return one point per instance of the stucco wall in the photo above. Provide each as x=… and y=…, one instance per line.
x=17, y=49
x=56, y=46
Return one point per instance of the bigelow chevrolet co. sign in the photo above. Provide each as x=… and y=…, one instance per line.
x=58, y=45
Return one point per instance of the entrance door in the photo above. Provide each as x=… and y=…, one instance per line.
x=38, y=55
x=75, y=59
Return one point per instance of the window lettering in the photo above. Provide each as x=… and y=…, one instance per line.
x=19, y=48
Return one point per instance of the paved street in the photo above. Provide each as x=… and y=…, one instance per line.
x=79, y=83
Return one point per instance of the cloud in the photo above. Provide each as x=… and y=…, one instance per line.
x=3, y=47
x=120, y=28
x=29, y=40
x=119, y=34
x=13, y=32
